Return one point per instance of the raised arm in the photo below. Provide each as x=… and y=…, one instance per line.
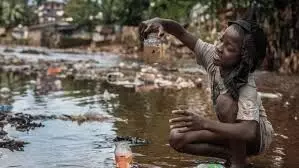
x=159, y=25
x=204, y=51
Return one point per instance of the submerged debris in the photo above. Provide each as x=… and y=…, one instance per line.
x=132, y=140
x=89, y=117
x=33, y=51
x=12, y=144
x=8, y=50
x=23, y=122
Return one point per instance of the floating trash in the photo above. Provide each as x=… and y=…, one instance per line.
x=53, y=71
x=108, y=96
x=131, y=140
x=114, y=77
x=210, y=166
x=12, y=144
x=4, y=90
x=123, y=155
x=270, y=95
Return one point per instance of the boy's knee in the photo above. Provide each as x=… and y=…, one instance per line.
x=227, y=108
x=176, y=140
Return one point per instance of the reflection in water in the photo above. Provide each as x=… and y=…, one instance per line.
x=63, y=144
x=67, y=144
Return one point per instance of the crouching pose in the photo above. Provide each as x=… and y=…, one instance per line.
x=243, y=129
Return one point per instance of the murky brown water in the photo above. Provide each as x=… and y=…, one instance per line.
x=67, y=144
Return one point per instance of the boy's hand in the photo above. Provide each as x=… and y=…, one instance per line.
x=151, y=26
x=189, y=121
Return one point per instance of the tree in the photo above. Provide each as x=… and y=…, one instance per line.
x=39, y=2
x=178, y=10
x=14, y=12
x=125, y=12
x=131, y=12
x=82, y=12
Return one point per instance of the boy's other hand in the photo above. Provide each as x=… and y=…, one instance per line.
x=188, y=121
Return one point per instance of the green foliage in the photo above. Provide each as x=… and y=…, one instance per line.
x=177, y=9
x=124, y=12
x=38, y=2
x=130, y=12
x=14, y=12
x=82, y=11
x=106, y=11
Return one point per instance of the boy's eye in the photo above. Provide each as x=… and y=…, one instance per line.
x=230, y=48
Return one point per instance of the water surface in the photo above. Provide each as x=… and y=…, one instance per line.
x=69, y=144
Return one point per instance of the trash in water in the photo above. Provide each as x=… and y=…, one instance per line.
x=210, y=166
x=210, y=163
x=282, y=136
x=123, y=155
x=131, y=140
x=270, y=95
x=114, y=77
x=53, y=71
x=286, y=104
x=108, y=96
x=4, y=90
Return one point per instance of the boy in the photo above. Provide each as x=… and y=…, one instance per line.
x=243, y=129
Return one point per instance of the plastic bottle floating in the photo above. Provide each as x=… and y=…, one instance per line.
x=123, y=155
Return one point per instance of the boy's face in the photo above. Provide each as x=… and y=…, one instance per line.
x=228, y=48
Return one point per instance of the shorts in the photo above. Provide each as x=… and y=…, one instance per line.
x=266, y=131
